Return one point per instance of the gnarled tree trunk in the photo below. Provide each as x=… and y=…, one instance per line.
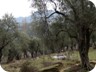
x=84, y=43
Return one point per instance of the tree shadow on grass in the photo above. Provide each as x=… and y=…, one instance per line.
x=78, y=68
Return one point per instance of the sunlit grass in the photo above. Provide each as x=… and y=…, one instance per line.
x=92, y=55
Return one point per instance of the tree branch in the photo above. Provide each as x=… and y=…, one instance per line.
x=66, y=17
x=51, y=15
x=54, y=4
x=58, y=12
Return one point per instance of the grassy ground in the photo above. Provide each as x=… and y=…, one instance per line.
x=39, y=62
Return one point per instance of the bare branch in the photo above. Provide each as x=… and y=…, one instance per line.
x=51, y=14
x=66, y=17
x=54, y=4
x=58, y=12
x=72, y=7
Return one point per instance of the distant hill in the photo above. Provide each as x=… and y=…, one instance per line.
x=30, y=18
x=20, y=19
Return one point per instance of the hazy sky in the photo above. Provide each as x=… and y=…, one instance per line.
x=94, y=1
x=17, y=7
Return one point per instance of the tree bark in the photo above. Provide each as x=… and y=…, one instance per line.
x=84, y=43
x=85, y=61
x=25, y=54
x=10, y=56
x=32, y=55
x=1, y=54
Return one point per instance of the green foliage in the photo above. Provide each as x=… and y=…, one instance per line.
x=35, y=47
x=8, y=30
x=24, y=40
x=34, y=44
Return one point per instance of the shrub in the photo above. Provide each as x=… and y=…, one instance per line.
x=27, y=67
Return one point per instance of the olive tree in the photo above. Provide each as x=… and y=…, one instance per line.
x=8, y=31
x=79, y=17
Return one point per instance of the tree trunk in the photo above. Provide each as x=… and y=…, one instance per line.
x=1, y=54
x=84, y=43
x=85, y=59
x=25, y=54
x=32, y=55
x=10, y=56
x=17, y=57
